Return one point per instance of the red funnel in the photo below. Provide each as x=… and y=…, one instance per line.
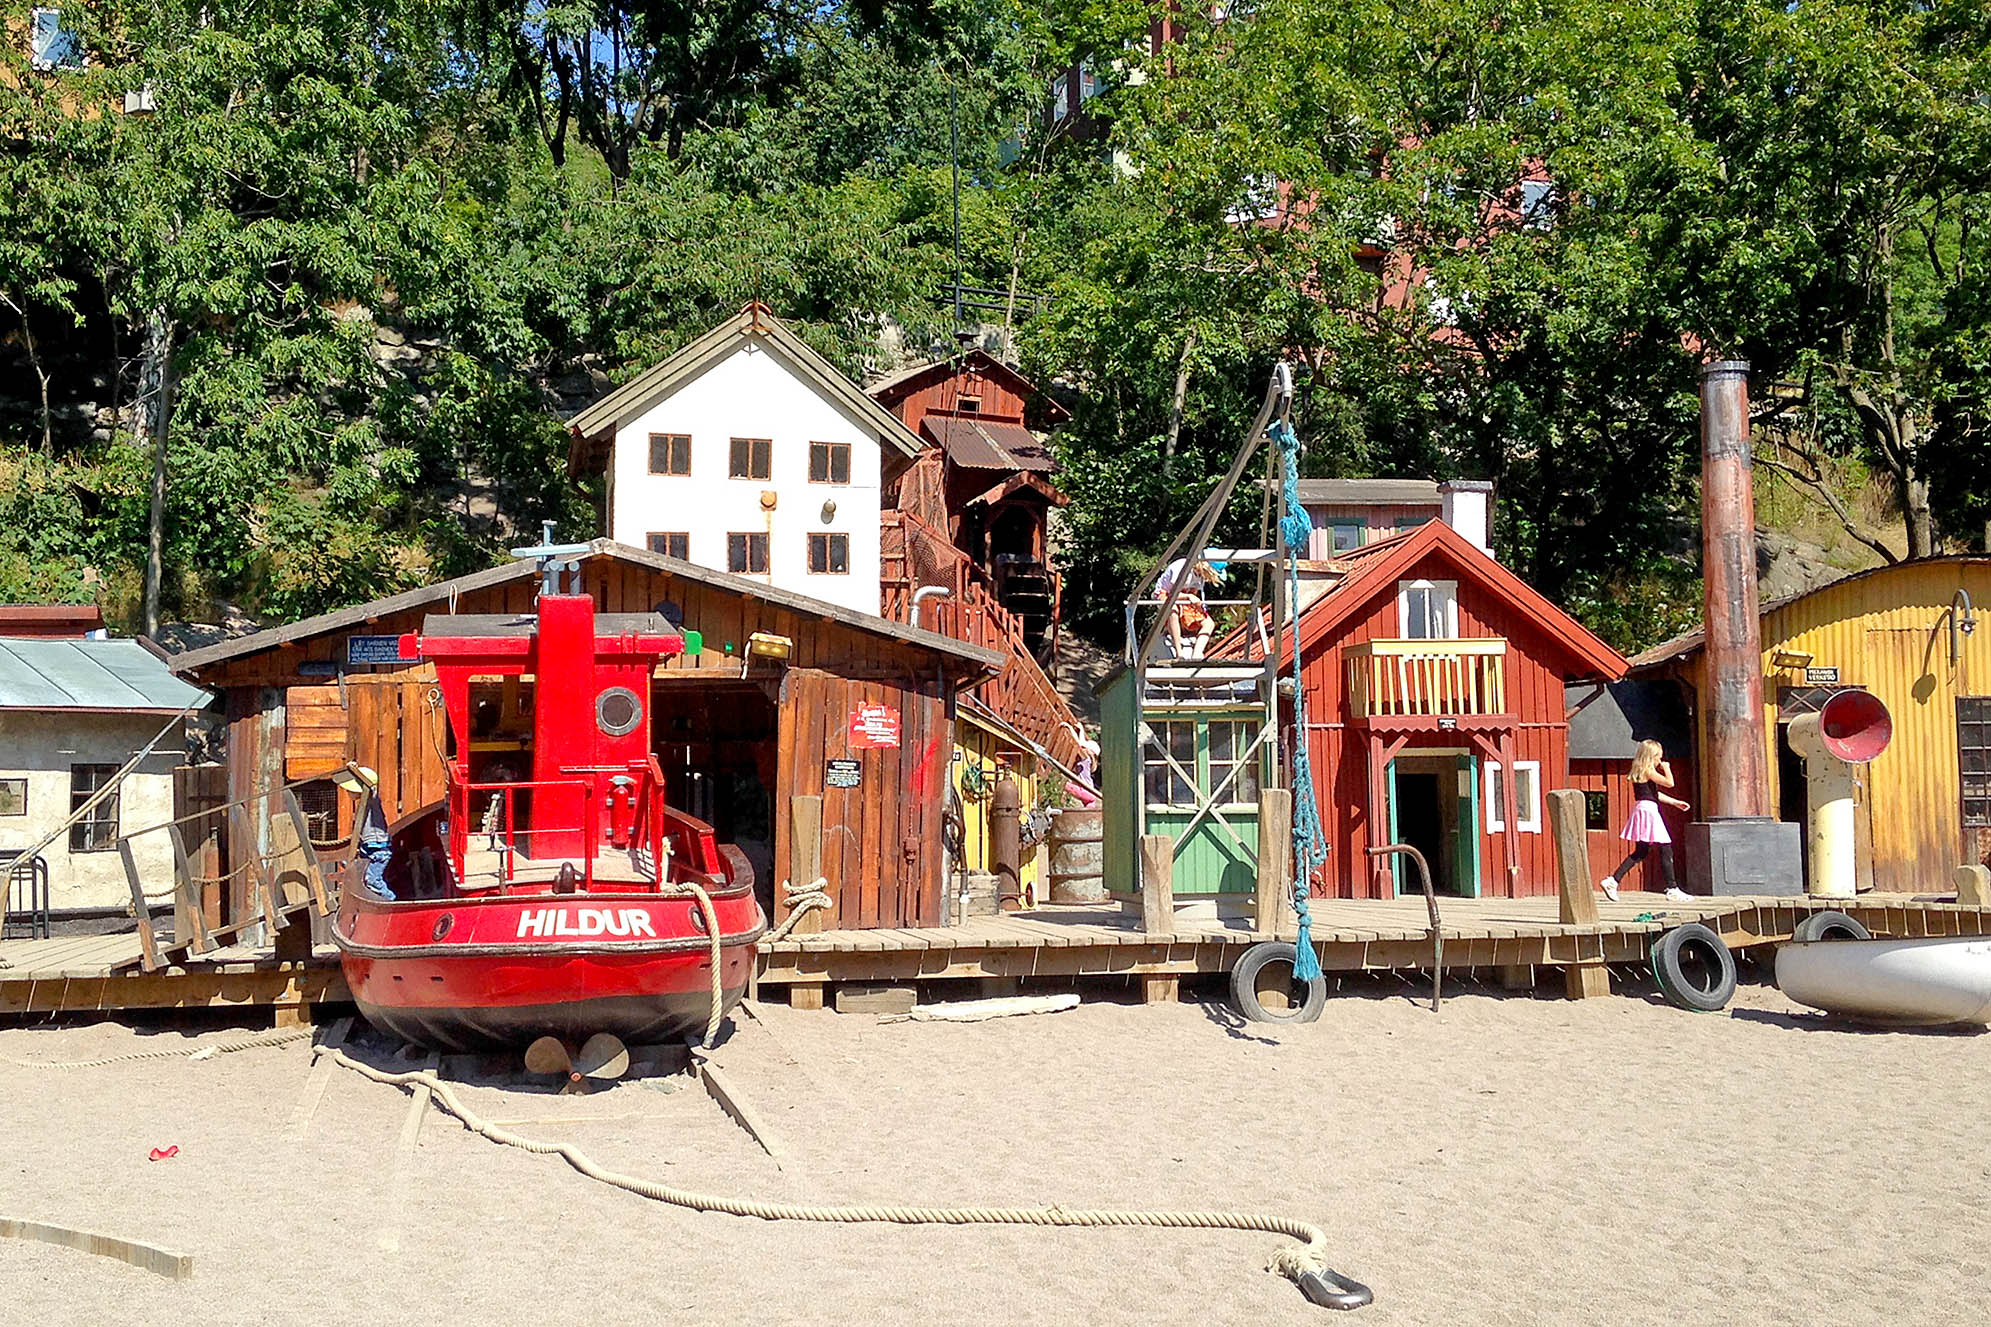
x=1855, y=726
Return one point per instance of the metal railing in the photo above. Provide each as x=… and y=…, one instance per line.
x=24, y=913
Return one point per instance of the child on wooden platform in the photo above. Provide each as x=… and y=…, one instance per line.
x=1650, y=774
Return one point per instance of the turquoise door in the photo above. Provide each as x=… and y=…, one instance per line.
x=1465, y=836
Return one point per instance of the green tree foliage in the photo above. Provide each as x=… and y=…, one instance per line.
x=390, y=243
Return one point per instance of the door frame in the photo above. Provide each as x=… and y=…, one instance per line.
x=1466, y=849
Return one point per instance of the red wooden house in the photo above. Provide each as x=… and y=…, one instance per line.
x=984, y=480
x=1433, y=679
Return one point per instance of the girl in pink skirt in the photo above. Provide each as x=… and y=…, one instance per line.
x=1649, y=774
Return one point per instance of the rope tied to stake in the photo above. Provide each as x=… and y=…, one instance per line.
x=1309, y=839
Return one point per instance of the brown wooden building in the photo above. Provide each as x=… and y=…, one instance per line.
x=740, y=738
x=984, y=479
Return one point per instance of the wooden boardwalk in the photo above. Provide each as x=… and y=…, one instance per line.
x=103, y=972
x=1055, y=942
x=1351, y=935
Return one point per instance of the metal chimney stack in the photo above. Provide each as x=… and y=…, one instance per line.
x=1738, y=848
x=1733, y=693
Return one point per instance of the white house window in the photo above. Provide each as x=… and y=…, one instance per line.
x=98, y=830
x=829, y=554
x=753, y=458
x=1527, y=797
x=671, y=543
x=13, y=797
x=670, y=453
x=1538, y=204
x=1428, y=610
x=52, y=45
x=1088, y=84
x=829, y=463
x=746, y=553
x=1344, y=535
x=1061, y=91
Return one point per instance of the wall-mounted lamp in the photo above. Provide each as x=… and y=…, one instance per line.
x=829, y=510
x=1965, y=624
x=768, y=497
x=1791, y=659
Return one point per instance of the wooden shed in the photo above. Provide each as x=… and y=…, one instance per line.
x=839, y=750
x=1907, y=634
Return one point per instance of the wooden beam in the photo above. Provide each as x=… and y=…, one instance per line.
x=805, y=853
x=1273, y=912
x=1587, y=977
x=1158, y=884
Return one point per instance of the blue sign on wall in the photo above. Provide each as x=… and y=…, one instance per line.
x=375, y=650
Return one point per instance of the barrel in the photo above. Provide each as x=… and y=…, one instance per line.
x=1078, y=872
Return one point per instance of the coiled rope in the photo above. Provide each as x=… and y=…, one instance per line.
x=1309, y=839
x=1291, y=1263
x=208, y=1052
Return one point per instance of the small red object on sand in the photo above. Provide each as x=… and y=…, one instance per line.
x=160, y=1155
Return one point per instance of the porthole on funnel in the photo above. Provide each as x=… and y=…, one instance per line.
x=617, y=711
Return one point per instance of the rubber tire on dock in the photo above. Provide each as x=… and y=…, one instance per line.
x=1669, y=955
x=1244, y=985
x=1830, y=926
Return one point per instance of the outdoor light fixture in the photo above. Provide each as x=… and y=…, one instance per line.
x=1791, y=659
x=829, y=510
x=1966, y=624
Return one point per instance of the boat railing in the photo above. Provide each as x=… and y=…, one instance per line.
x=507, y=847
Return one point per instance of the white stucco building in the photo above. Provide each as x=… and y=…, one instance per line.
x=71, y=713
x=748, y=452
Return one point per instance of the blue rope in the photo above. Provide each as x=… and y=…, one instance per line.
x=1309, y=839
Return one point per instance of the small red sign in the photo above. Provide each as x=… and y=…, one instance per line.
x=873, y=725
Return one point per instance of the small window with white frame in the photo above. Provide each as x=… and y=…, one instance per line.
x=1428, y=610
x=1527, y=797
x=53, y=46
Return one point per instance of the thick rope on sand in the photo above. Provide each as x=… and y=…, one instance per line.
x=207, y=1052
x=1291, y=1263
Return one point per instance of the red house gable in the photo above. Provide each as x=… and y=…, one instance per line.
x=1435, y=550
x=1448, y=740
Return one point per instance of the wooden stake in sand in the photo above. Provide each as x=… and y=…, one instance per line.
x=316, y=1081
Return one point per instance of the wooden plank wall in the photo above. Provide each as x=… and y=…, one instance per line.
x=1606, y=848
x=198, y=789
x=1340, y=761
x=881, y=840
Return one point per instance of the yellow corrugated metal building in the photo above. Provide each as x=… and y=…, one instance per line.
x=1926, y=801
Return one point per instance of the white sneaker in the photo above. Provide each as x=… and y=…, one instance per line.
x=1610, y=887
x=1679, y=896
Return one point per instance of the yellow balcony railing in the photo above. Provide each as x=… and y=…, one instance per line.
x=1418, y=678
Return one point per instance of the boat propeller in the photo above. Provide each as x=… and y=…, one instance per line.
x=602, y=1057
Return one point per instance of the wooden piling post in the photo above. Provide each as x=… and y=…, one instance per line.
x=1973, y=886
x=805, y=856
x=1274, y=913
x=1588, y=978
x=1157, y=884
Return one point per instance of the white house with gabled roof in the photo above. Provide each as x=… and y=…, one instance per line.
x=748, y=452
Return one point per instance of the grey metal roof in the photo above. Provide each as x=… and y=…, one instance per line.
x=89, y=675
x=1358, y=492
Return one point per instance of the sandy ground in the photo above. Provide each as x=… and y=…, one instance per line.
x=1510, y=1160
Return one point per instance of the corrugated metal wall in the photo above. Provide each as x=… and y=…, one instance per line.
x=1887, y=631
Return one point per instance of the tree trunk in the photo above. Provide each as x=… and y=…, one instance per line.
x=1915, y=512
x=1175, y=405
x=156, y=384
x=41, y=374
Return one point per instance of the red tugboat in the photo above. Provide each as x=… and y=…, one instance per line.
x=562, y=905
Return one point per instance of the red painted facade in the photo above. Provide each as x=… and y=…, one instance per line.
x=1544, y=649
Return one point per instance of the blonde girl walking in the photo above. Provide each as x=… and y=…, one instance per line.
x=1645, y=828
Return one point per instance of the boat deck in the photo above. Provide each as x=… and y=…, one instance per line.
x=1055, y=942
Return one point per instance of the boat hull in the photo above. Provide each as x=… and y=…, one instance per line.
x=487, y=973
x=1906, y=982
